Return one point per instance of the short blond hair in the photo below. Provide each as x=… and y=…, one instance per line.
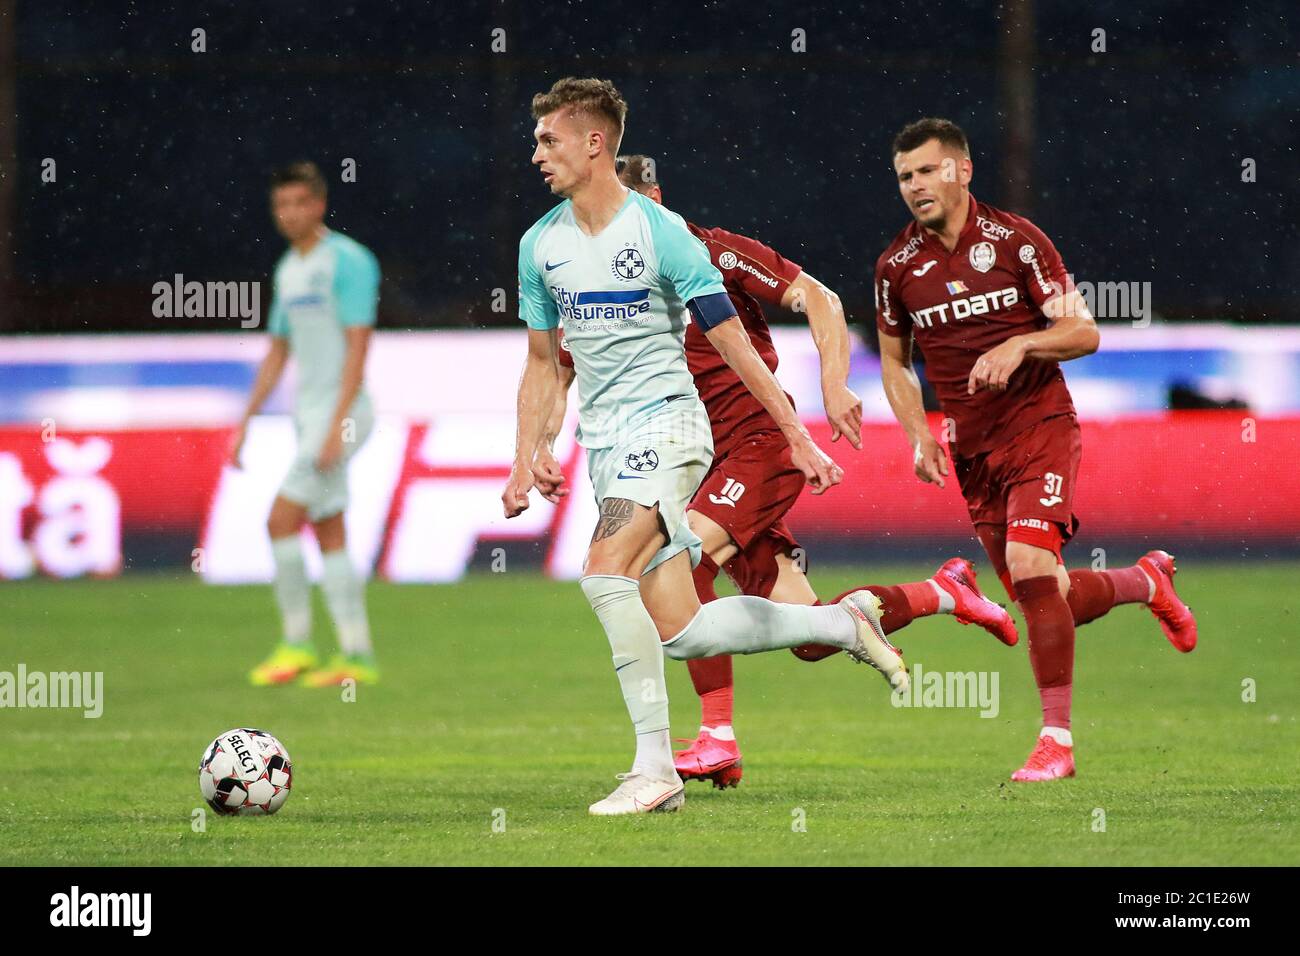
x=598, y=98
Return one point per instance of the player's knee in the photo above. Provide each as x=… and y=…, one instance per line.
x=610, y=563
x=714, y=539
x=1021, y=570
x=608, y=556
x=330, y=533
x=279, y=526
x=1026, y=561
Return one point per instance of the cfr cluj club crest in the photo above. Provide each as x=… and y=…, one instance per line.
x=982, y=256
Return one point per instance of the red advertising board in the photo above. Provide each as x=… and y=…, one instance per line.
x=68, y=501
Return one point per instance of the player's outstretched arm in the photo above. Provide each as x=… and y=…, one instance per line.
x=733, y=344
x=268, y=374
x=1072, y=334
x=830, y=333
x=546, y=469
x=538, y=387
x=903, y=390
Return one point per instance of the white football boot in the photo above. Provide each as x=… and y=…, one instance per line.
x=872, y=647
x=638, y=793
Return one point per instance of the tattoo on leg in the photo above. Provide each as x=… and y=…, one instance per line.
x=614, y=514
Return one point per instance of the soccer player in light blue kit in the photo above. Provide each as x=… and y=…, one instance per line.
x=323, y=310
x=624, y=275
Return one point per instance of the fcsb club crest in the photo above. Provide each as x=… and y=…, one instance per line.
x=647, y=460
x=982, y=256
x=628, y=264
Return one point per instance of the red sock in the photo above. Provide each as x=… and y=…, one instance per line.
x=897, y=614
x=1132, y=586
x=1056, y=703
x=1051, y=645
x=711, y=675
x=898, y=607
x=704, y=575
x=921, y=597
x=1093, y=593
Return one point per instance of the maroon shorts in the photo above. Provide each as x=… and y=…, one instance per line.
x=747, y=493
x=1026, y=485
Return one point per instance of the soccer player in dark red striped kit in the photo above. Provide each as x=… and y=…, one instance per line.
x=738, y=511
x=986, y=296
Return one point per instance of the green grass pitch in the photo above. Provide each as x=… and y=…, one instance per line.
x=499, y=720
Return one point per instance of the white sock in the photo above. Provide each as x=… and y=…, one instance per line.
x=639, y=666
x=345, y=595
x=1059, y=734
x=748, y=625
x=946, y=603
x=292, y=592
x=654, y=755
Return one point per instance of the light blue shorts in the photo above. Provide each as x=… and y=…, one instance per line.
x=325, y=493
x=659, y=460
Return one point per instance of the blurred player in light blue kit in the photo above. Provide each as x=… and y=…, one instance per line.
x=323, y=310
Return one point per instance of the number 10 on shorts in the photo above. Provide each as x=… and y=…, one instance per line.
x=730, y=493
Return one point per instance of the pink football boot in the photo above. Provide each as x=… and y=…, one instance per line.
x=1049, y=761
x=708, y=758
x=957, y=577
x=1176, y=618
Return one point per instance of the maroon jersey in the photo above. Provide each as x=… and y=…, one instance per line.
x=960, y=304
x=751, y=272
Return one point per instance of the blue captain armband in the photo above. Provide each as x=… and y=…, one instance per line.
x=710, y=311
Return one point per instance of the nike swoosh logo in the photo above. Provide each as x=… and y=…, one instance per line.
x=925, y=268
x=621, y=475
x=628, y=664
x=549, y=267
x=655, y=802
x=710, y=767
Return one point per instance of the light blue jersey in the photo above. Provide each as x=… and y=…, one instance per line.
x=316, y=297
x=621, y=297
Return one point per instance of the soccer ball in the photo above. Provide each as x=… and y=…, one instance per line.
x=245, y=771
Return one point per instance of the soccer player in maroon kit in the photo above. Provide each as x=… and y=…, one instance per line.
x=986, y=296
x=738, y=511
